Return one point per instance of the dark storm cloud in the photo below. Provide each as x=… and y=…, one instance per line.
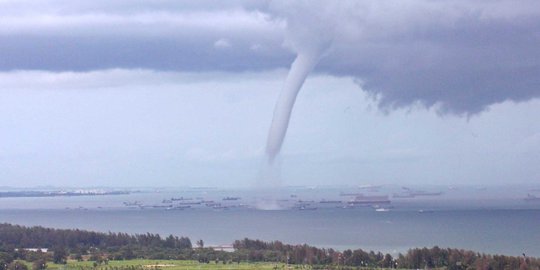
x=90, y=53
x=460, y=63
x=460, y=56
x=160, y=35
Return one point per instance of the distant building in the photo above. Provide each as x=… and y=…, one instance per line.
x=226, y=248
x=44, y=250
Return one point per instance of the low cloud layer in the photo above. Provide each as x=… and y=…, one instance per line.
x=457, y=56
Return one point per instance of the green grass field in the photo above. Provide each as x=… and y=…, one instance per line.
x=175, y=265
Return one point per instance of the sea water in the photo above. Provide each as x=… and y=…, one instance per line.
x=491, y=224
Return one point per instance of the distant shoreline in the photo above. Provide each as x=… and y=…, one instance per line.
x=33, y=194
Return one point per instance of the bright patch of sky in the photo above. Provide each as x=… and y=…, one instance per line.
x=141, y=127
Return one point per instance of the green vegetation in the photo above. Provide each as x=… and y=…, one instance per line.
x=84, y=250
x=160, y=264
x=138, y=264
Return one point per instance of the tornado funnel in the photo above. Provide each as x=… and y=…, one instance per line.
x=300, y=68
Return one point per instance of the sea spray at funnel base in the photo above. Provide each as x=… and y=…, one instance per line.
x=300, y=68
x=268, y=185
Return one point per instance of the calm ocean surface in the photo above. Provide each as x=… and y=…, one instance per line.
x=505, y=225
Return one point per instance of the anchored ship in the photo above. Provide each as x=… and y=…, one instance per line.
x=362, y=199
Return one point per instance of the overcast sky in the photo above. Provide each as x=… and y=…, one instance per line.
x=169, y=93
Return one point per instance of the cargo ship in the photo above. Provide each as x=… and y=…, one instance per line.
x=330, y=201
x=231, y=198
x=362, y=199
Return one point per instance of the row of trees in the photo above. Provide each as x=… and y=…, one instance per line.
x=418, y=258
x=454, y=259
x=14, y=235
x=102, y=247
x=305, y=254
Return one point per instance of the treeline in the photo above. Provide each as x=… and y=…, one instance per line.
x=99, y=246
x=102, y=247
x=47, y=238
x=258, y=250
x=418, y=258
x=454, y=259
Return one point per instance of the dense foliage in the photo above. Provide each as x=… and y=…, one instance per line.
x=102, y=247
x=455, y=259
x=451, y=259
x=49, y=238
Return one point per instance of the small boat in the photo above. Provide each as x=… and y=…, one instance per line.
x=161, y=206
x=425, y=193
x=178, y=207
x=181, y=199
x=134, y=203
x=304, y=208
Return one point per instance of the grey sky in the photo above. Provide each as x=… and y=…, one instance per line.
x=139, y=93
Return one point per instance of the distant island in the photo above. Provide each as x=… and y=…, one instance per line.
x=39, y=248
x=82, y=192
